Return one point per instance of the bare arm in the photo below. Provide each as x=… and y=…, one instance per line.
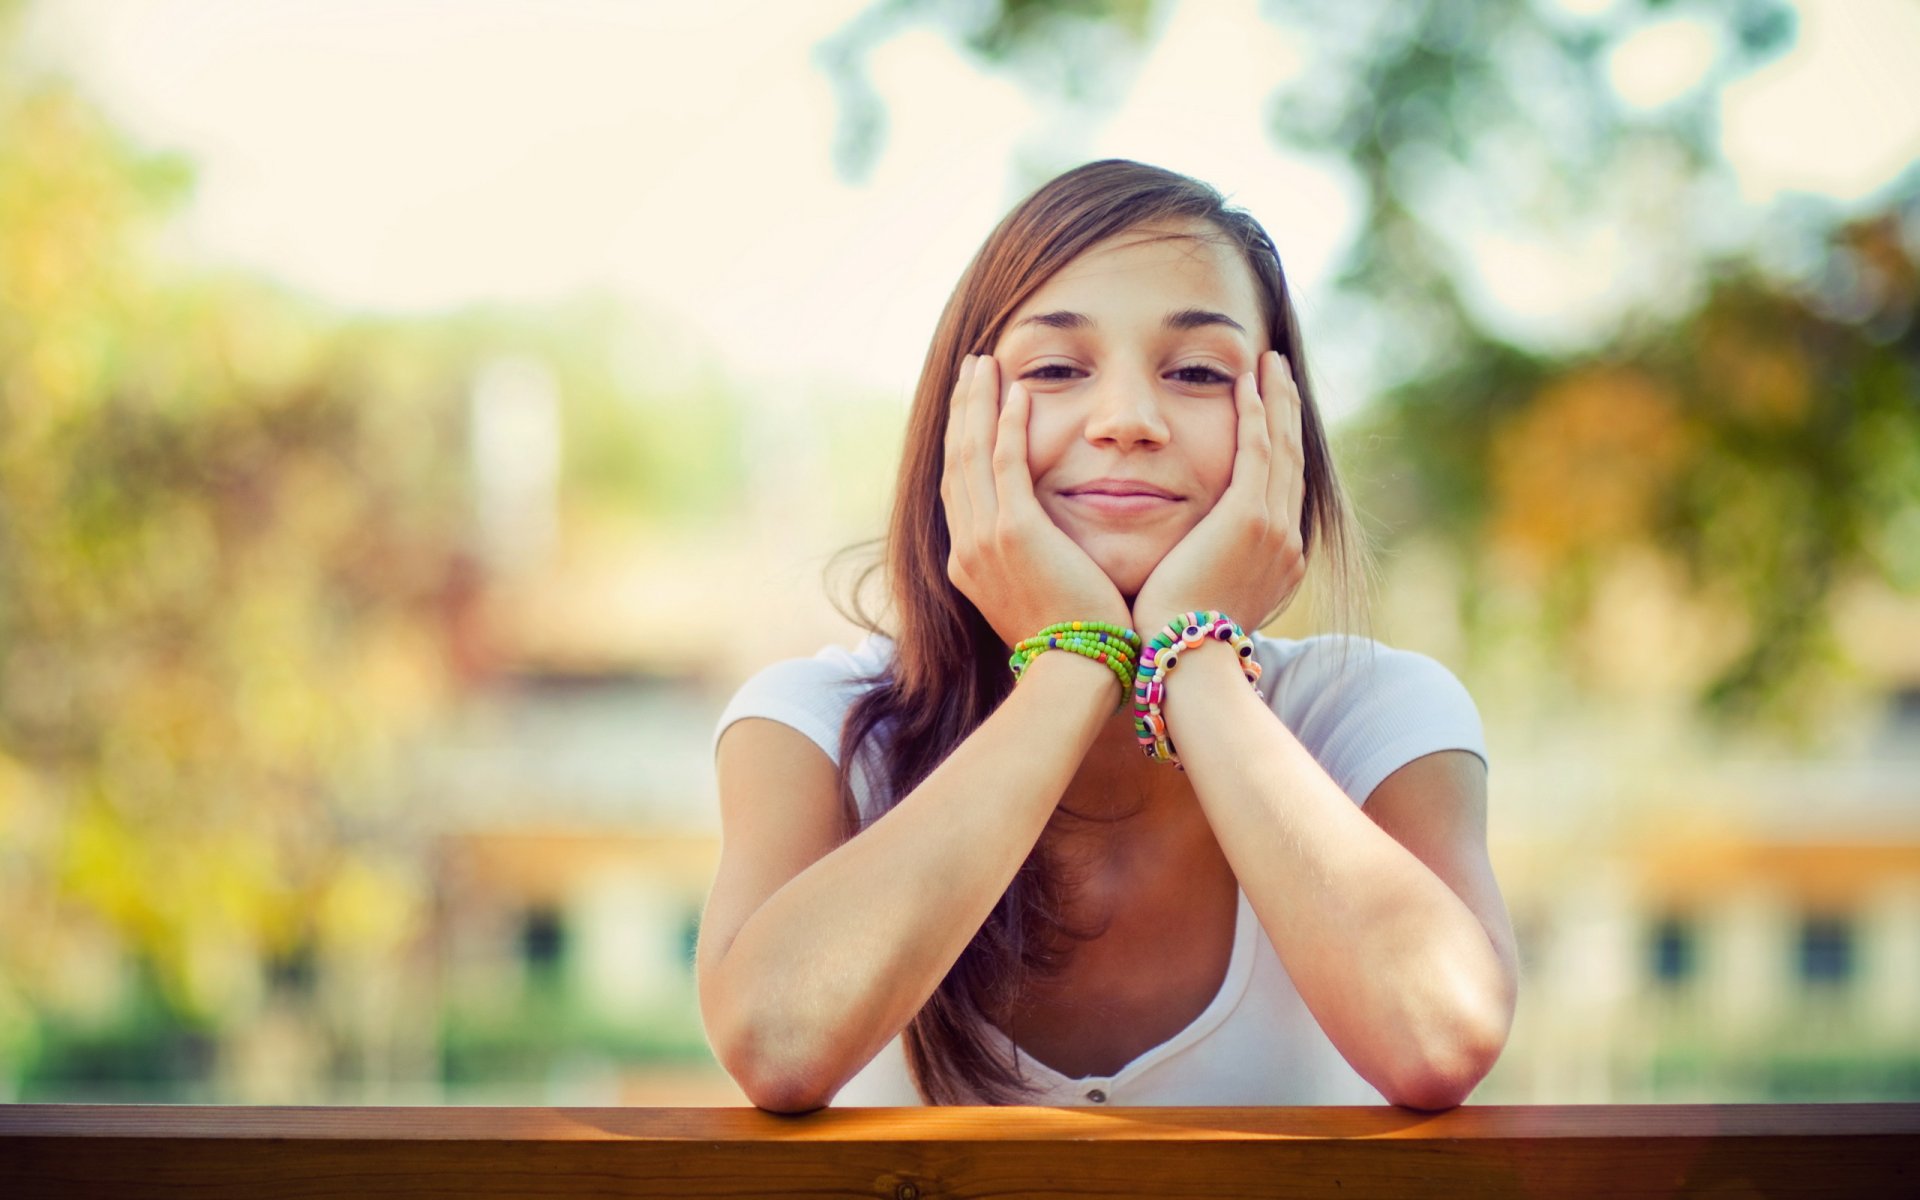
x=814, y=953
x=1392, y=927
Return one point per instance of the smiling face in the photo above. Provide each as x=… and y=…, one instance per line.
x=1129, y=353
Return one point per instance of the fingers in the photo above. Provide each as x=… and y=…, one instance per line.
x=953, y=482
x=1012, y=477
x=1287, y=486
x=1253, y=446
x=982, y=419
x=955, y=406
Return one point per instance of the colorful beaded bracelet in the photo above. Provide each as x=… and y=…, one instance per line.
x=1117, y=656
x=1119, y=631
x=1102, y=642
x=1157, y=660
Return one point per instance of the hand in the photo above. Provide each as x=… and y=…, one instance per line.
x=1246, y=557
x=1020, y=569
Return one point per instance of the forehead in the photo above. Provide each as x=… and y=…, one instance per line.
x=1152, y=269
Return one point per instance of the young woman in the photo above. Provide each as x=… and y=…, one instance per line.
x=1183, y=864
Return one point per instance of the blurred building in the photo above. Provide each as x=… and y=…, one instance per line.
x=1736, y=932
x=1692, y=928
x=572, y=841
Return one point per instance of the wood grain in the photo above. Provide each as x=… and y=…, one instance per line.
x=925, y=1153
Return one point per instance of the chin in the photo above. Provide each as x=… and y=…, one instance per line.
x=1126, y=559
x=1128, y=573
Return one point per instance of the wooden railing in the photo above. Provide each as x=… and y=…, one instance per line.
x=1738, y=1150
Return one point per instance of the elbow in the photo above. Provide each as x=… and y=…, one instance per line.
x=1440, y=1085
x=781, y=1095
x=1432, y=1093
x=775, y=1084
x=1443, y=1078
x=764, y=1061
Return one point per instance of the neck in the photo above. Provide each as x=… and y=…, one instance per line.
x=1118, y=783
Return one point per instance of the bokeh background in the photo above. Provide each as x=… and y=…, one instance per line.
x=416, y=418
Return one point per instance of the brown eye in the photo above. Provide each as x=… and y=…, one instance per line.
x=1050, y=371
x=1204, y=376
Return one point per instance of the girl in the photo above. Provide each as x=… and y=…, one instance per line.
x=990, y=858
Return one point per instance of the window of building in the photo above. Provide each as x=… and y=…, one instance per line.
x=1675, y=952
x=293, y=970
x=689, y=936
x=1826, y=949
x=543, y=940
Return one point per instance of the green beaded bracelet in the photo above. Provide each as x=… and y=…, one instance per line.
x=1113, y=645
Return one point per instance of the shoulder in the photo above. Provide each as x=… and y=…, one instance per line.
x=1363, y=708
x=811, y=694
x=1349, y=667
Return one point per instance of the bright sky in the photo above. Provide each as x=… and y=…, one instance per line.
x=410, y=155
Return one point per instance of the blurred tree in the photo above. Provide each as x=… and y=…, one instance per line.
x=226, y=524
x=1077, y=50
x=236, y=575
x=1767, y=449
x=1748, y=434
x=1759, y=432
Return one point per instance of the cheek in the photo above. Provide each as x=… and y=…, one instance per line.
x=1048, y=437
x=1214, y=462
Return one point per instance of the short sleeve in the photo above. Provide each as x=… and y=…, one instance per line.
x=1363, y=715
x=807, y=694
x=813, y=696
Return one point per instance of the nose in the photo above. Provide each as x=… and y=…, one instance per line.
x=1124, y=408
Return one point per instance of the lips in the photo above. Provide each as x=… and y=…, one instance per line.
x=1124, y=500
x=1120, y=487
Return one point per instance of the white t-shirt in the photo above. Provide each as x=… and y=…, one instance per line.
x=1256, y=1043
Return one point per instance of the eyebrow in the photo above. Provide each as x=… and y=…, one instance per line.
x=1197, y=318
x=1180, y=319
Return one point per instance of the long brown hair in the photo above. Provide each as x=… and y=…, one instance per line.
x=949, y=670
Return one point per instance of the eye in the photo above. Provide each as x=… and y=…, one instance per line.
x=1050, y=371
x=1204, y=376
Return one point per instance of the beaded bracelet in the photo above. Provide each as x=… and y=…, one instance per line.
x=1157, y=660
x=1109, y=644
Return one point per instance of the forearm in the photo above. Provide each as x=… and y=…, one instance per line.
x=1396, y=968
x=838, y=960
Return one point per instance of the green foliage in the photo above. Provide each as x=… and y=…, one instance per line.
x=1756, y=442
x=232, y=529
x=652, y=429
x=1494, y=107
x=147, y=1053
x=1681, y=1074
x=1768, y=451
x=226, y=521
x=528, y=1041
x=1069, y=48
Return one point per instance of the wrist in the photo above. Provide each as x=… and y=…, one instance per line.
x=1113, y=646
x=1162, y=652
x=1207, y=667
x=1071, y=679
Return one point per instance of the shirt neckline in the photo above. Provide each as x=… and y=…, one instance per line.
x=1232, y=988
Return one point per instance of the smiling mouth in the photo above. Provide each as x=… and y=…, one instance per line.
x=1132, y=502
x=1120, y=490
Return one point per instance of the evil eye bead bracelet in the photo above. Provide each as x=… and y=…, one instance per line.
x=1160, y=655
